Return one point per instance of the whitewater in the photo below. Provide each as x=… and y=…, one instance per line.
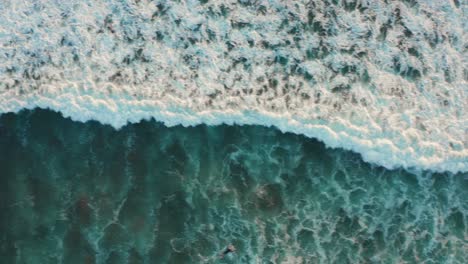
x=386, y=79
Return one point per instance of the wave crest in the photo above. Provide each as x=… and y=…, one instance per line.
x=386, y=80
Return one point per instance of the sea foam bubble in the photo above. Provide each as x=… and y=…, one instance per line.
x=386, y=80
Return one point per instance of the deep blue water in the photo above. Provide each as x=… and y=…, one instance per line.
x=74, y=192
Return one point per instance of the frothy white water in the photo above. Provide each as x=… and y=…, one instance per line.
x=387, y=80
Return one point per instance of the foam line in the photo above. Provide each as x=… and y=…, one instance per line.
x=386, y=80
x=374, y=147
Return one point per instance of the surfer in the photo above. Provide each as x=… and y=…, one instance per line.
x=229, y=249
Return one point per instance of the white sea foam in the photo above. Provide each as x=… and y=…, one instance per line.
x=388, y=81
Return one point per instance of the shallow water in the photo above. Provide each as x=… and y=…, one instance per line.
x=74, y=192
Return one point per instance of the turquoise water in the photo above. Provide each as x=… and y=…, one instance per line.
x=74, y=192
x=384, y=80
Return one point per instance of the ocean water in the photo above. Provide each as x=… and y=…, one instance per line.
x=74, y=192
x=386, y=79
x=318, y=131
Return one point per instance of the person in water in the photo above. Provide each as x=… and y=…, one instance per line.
x=229, y=249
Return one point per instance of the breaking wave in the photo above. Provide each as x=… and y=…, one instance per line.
x=386, y=79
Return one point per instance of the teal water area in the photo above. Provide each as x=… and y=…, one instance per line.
x=75, y=192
